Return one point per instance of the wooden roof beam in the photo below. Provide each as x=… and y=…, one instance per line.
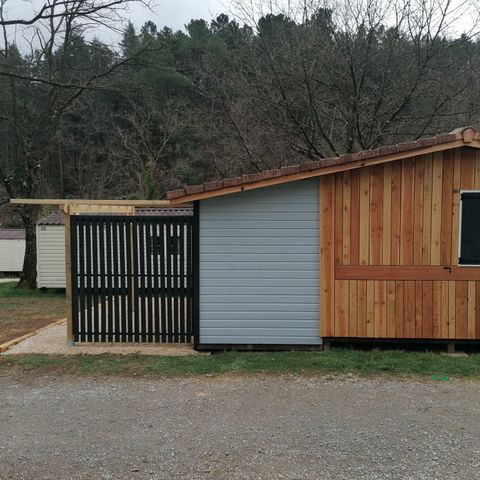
x=79, y=201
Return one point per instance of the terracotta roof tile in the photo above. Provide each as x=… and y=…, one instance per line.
x=274, y=173
x=232, y=182
x=251, y=177
x=290, y=169
x=176, y=194
x=459, y=131
x=256, y=177
x=209, y=186
x=308, y=166
x=390, y=150
x=328, y=162
x=191, y=189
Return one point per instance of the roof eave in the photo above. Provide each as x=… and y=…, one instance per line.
x=326, y=170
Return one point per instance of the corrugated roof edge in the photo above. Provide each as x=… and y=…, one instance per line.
x=12, y=234
x=58, y=219
x=465, y=134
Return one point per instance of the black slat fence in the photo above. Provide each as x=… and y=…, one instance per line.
x=132, y=278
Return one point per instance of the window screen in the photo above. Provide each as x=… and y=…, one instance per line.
x=470, y=229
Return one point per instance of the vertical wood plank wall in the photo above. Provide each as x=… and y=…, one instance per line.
x=404, y=213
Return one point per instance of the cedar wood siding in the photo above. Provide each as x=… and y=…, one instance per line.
x=388, y=233
x=259, y=266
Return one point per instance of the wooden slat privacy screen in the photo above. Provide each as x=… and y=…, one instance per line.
x=389, y=250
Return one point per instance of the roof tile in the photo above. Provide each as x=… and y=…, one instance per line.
x=449, y=137
x=277, y=172
x=328, y=162
x=232, y=182
x=209, y=186
x=389, y=150
x=251, y=177
x=191, y=189
x=459, y=132
x=290, y=169
x=308, y=166
x=176, y=194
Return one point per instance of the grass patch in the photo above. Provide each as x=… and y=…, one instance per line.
x=10, y=289
x=23, y=311
x=335, y=361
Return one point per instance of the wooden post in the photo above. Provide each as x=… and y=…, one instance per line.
x=68, y=277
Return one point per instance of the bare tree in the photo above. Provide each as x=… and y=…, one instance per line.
x=334, y=77
x=40, y=88
x=145, y=142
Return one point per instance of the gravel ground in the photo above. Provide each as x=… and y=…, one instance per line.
x=52, y=341
x=237, y=428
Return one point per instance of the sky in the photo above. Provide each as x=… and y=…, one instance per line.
x=176, y=13
x=172, y=13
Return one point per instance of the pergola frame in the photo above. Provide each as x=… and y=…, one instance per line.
x=85, y=206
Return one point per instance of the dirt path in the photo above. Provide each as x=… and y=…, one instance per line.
x=238, y=428
x=52, y=341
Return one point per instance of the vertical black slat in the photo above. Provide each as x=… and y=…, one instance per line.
x=135, y=280
x=154, y=253
x=181, y=276
x=74, y=276
x=116, y=279
x=101, y=280
x=124, y=245
x=149, y=274
x=130, y=280
x=88, y=279
x=196, y=273
x=176, y=273
x=169, y=277
x=142, y=274
x=181, y=272
x=95, y=296
x=109, y=280
x=188, y=294
x=81, y=278
x=162, y=258
x=173, y=278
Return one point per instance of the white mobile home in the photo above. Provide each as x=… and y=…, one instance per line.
x=51, y=252
x=12, y=249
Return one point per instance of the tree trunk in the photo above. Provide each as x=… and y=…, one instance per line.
x=28, y=277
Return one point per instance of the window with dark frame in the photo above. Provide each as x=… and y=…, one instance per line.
x=469, y=229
